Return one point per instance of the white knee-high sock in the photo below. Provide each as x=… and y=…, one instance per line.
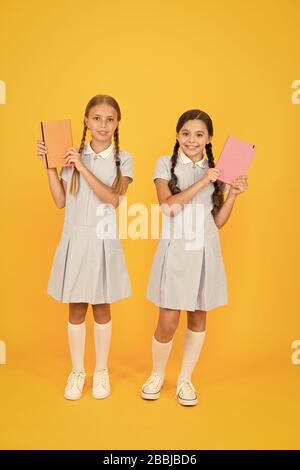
x=76, y=335
x=192, y=347
x=102, y=336
x=160, y=355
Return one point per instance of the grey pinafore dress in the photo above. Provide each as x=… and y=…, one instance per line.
x=180, y=278
x=87, y=268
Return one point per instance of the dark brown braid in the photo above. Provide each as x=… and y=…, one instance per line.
x=117, y=184
x=217, y=195
x=174, y=180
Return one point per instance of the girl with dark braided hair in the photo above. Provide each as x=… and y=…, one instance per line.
x=88, y=268
x=185, y=278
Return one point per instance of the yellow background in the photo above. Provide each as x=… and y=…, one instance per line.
x=235, y=60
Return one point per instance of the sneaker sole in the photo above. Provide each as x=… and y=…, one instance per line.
x=150, y=396
x=100, y=398
x=187, y=402
x=72, y=399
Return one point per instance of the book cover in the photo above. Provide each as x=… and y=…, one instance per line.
x=57, y=136
x=234, y=159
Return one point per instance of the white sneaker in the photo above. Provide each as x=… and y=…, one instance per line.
x=186, y=393
x=74, y=387
x=151, y=388
x=101, y=385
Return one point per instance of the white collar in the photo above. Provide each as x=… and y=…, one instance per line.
x=185, y=159
x=104, y=153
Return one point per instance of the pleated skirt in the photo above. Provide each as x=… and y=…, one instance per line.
x=88, y=269
x=188, y=280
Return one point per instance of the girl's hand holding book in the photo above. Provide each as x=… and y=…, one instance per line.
x=73, y=158
x=41, y=149
x=211, y=175
x=239, y=185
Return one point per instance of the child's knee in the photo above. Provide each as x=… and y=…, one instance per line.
x=196, y=320
x=168, y=329
x=77, y=315
x=101, y=314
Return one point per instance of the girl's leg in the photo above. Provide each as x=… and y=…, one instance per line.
x=162, y=339
x=102, y=337
x=102, y=334
x=167, y=324
x=196, y=321
x=76, y=335
x=194, y=339
x=162, y=342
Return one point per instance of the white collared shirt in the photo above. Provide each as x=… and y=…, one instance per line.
x=104, y=153
x=82, y=209
x=185, y=159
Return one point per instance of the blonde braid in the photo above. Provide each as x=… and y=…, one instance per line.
x=74, y=186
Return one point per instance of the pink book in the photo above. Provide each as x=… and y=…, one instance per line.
x=234, y=159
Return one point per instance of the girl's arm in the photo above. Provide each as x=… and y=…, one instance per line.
x=57, y=188
x=223, y=215
x=170, y=203
x=105, y=193
x=238, y=186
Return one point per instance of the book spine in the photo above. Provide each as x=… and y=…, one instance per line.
x=43, y=137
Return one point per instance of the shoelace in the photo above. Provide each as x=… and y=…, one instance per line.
x=75, y=378
x=100, y=377
x=154, y=379
x=185, y=386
